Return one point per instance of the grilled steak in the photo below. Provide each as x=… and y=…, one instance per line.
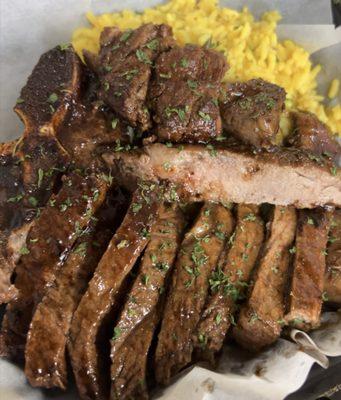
x=48, y=241
x=284, y=176
x=45, y=363
x=311, y=134
x=332, y=281
x=141, y=313
x=94, y=315
x=30, y=167
x=198, y=257
x=124, y=67
x=305, y=300
x=260, y=320
x=251, y=111
x=229, y=281
x=184, y=94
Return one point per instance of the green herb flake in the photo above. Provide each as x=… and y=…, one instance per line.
x=165, y=76
x=167, y=166
x=136, y=207
x=64, y=46
x=292, y=250
x=126, y=35
x=52, y=98
x=33, y=201
x=40, y=177
x=24, y=251
x=218, y=318
x=333, y=171
x=106, y=86
x=20, y=100
x=153, y=44
x=117, y=333
x=108, y=68
x=184, y=62
x=122, y=244
x=129, y=75
x=181, y=112
x=212, y=150
x=324, y=296
x=15, y=199
x=81, y=249
x=192, y=84
x=145, y=279
x=310, y=221
x=250, y=217
x=142, y=56
x=204, y=116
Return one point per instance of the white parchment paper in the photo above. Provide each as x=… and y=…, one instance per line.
x=30, y=27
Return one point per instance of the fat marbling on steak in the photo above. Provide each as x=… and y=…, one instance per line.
x=233, y=174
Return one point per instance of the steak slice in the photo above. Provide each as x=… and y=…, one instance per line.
x=251, y=111
x=30, y=167
x=184, y=94
x=89, y=332
x=198, y=257
x=261, y=317
x=124, y=67
x=332, y=280
x=283, y=177
x=311, y=134
x=305, y=300
x=229, y=281
x=45, y=362
x=141, y=313
x=50, y=238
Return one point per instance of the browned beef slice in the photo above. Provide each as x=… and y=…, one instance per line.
x=48, y=241
x=90, y=328
x=305, y=299
x=311, y=134
x=251, y=111
x=184, y=94
x=284, y=176
x=141, y=313
x=45, y=363
x=261, y=317
x=332, y=281
x=124, y=67
x=228, y=283
x=197, y=258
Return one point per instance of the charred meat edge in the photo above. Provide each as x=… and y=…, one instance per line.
x=261, y=317
x=229, y=282
x=197, y=258
x=142, y=311
x=93, y=318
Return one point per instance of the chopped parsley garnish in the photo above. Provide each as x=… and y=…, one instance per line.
x=81, y=249
x=167, y=166
x=15, y=199
x=213, y=151
x=33, y=201
x=145, y=279
x=165, y=76
x=310, y=221
x=181, y=112
x=192, y=84
x=117, y=333
x=53, y=98
x=204, y=116
x=126, y=35
x=129, y=75
x=142, y=56
x=292, y=250
x=40, y=177
x=253, y=317
x=106, y=86
x=20, y=100
x=333, y=171
x=153, y=44
x=250, y=217
x=324, y=296
x=108, y=68
x=64, y=46
x=136, y=207
x=24, y=251
x=184, y=62
x=218, y=318
x=122, y=244
x=115, y=47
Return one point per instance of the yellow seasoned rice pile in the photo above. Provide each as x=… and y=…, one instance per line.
x=252, y=47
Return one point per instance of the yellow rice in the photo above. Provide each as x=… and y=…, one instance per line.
x=252, y=47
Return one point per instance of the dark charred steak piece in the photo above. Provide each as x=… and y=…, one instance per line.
x=332, y=281
x=284, y=176
x=45, y=363
x=311, y=134
x=48, y=241
x=305, y=299
x=261, y=318
x=228, y=283
x=197, y=259
x=184, y=94
x=94, y=316
x=124, y=67
x=141, y=313
x=30, y=167
x=251, y=111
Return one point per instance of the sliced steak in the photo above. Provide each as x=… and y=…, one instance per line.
x=311, y=134
x=48, y=241
x=305, y=299
x=124, y=68
x=198, y=257
x=284, y=176
x=251, y=111
x=184, y=94
x=332, y=280
x=261, y=317
x=228, y=283
x=141, y=313
x=45, y=362
x=90, y=328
